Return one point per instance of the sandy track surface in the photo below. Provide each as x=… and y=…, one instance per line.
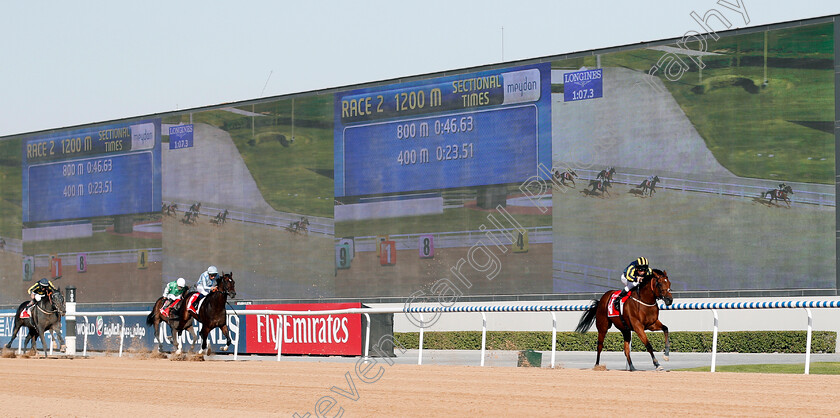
x=116, y=387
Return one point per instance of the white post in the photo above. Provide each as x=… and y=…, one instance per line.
x=483, y=336
x=84, y=352
x=553, y=338
x=20, y=340
x=122, y=333
x=808, y=342
x=714, y=341
x=70, y=319
x=280, y=336
x=420, y=348
x=52, y=340
x=367, y=336
x=236, y=344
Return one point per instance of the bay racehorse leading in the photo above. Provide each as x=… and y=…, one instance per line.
x=178, y=321
x=640, y=313
x=212, y=312
x=46, y=316
x=780, y=194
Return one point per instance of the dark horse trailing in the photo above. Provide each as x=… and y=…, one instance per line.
x=46, y=316
x=639, y=314
x=178, y=321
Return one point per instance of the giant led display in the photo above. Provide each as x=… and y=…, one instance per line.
x=715, y=160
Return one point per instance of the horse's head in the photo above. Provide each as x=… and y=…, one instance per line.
x=656, y=179
x=57, y=301
x=662, y=286
x=227, y=285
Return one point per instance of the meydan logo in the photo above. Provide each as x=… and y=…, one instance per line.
x=583, y=77
x=100, y=324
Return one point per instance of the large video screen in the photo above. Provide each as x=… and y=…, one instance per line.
x=723, y=164
x=714, y=159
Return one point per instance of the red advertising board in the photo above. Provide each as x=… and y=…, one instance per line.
x=305, y=334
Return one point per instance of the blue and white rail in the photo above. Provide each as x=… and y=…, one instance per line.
x=713, y=306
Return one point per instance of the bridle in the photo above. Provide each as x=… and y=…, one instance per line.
x=52, y=303
x=654, y=286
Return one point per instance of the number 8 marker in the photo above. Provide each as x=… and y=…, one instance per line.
x=426, y=246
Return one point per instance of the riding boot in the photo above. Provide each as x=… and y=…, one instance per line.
x=164, y=310
x=617, y=303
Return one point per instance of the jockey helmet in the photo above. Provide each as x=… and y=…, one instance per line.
x=44, y=282
x=212, y=270
x=181, y=282
x=642, y=262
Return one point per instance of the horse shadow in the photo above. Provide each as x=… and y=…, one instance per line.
x=592, y=193
x=768, y=203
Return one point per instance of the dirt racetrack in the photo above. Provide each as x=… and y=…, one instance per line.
x=109, y=386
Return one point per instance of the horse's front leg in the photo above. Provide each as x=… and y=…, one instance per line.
x=640, y=331
x=657, y=326
x=205, y=332
x=227, y=337
x=176, y=335
x=62, y=346
x=41, y=334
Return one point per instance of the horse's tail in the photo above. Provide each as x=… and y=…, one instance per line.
x=587, y=318
x=150, y=320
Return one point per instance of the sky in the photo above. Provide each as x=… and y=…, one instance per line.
x=72, y=63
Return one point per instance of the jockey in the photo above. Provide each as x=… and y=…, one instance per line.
x=633, y=274
x=173, y=292
x=39, y=290
x=207, y=281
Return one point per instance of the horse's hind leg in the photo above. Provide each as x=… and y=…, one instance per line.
x=18, y=324
x=194, y=336
x=626, y=334
x=205, y=332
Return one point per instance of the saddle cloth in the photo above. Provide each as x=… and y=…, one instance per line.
x=611, y=312
x=26, y=313
x=191, y=305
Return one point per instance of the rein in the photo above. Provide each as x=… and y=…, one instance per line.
x=652, y=290
x=51, y=303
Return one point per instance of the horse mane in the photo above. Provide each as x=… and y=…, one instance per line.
x=649, y=278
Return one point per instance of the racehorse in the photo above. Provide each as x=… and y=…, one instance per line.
x=599, y=185
x=568, y=175
x=190, y=217
x=606, y=174
x=649, y=185
x=212, y=313
x=46, y=316
x=640, y=313
x=220, y=218
x=778, y=194
x=299, y=227
x=177, y=320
